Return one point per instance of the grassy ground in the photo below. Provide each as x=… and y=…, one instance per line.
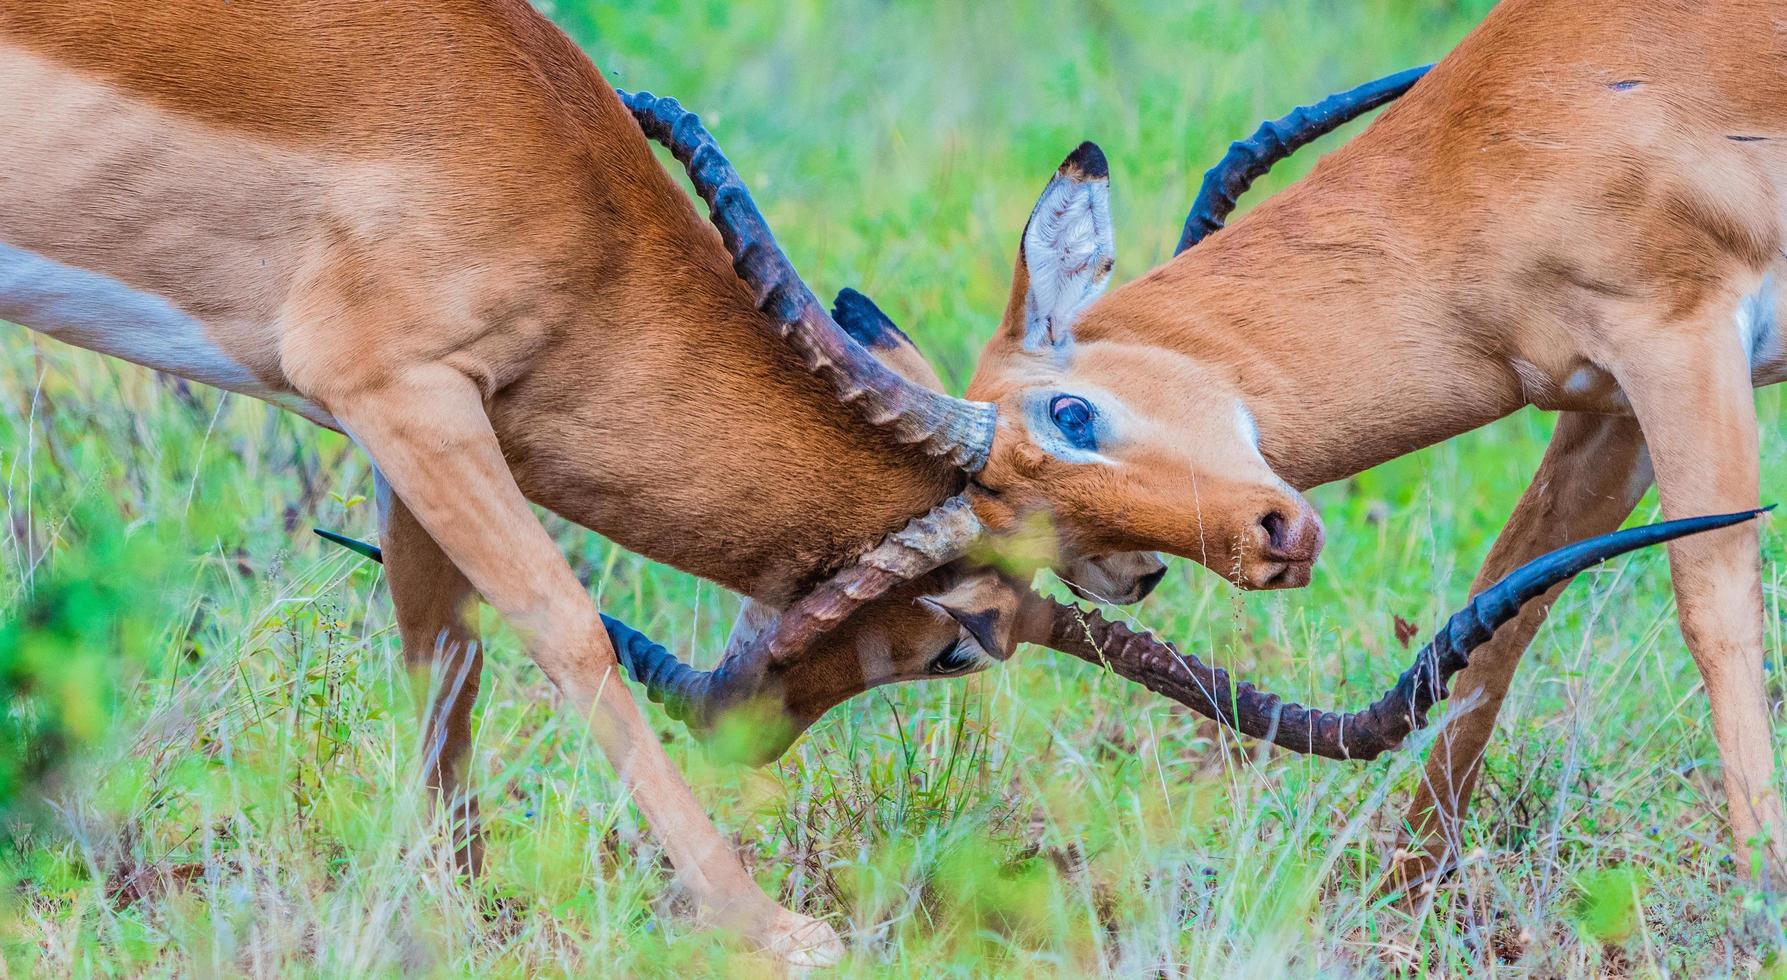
x=247, y=800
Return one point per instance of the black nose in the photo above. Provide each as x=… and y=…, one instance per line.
x=1148, y=582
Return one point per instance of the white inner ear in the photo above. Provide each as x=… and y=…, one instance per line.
x=1068, y=253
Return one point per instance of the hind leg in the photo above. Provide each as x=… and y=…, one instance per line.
x=435, y=617
x=1595, y=471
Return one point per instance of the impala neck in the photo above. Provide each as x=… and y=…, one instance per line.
x=1349, y=343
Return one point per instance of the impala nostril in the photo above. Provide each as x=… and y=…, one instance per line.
x=1275, y=525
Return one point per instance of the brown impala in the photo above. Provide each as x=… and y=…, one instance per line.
x=434, y=227
x=1582, y=208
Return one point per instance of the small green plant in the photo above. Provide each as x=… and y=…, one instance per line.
x=1608, y=906
x=89, y=614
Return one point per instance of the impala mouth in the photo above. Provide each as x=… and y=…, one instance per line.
x=1288, y=568
x=1119, y=579
x=1289, y=574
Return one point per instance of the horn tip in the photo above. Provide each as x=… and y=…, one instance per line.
x=354, y=545
x=1086, y=162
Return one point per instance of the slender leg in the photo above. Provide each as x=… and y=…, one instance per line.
x=426, y=429
x=1690, y=388
x=440, y=645
x=1593, y=474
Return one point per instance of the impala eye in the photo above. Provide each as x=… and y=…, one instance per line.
x=1074, y=416
x=961, y=657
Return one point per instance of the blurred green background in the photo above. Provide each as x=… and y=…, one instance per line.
x=239, y=794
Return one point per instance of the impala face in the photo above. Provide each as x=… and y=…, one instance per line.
x=968, y=619
x=1129, y=448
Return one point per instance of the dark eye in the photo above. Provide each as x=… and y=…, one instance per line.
x=961, y=657
x=1073, y=415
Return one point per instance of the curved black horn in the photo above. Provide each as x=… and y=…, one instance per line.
x=684, y=691
x=1366, y=734
x=958, y=430
x=699, y=697
x=666, y=679
x=1248, y=160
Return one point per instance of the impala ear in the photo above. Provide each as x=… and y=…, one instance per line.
x=995, y=612
x=1067, y=254
x=875, y=330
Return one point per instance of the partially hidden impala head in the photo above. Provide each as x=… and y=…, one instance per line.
x=1131, y=447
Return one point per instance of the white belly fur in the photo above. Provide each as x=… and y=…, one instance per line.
x=92, y=310
x=1759, y=329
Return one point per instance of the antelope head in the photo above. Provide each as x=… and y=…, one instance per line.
x=1129, y=448
x=1132, y=446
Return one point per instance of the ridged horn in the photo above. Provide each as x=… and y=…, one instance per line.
x=1362, y=735
x=700, y=697
x=1248, y=160
x=955, y=429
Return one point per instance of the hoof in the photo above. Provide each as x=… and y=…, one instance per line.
x=803, y=943
x=1412, y=877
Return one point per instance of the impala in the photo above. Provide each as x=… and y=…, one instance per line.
x=1583, y=208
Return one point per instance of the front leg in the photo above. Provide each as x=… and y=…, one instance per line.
x=436, y=620
x=1689, y=385
x=426, y=429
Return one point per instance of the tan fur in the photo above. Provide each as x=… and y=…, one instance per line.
x=1521, y=229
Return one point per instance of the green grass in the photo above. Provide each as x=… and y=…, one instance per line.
x=252, y=804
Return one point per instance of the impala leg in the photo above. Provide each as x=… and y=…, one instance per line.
x=1690, y=389
x=435, y=610
x=1594, y=472
x=426, y=429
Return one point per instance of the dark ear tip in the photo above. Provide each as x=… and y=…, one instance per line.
x=862, y=319
x=1086, y=162
x=849, y=299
